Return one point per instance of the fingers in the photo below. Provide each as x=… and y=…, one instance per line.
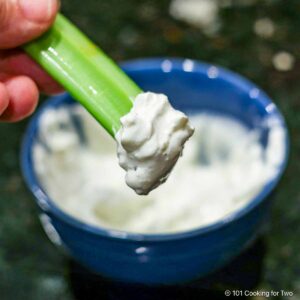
x=20, y=22
x=24, y=20
x=16, y=62
x=23, y=97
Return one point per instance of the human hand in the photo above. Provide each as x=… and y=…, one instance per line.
x=21, y=78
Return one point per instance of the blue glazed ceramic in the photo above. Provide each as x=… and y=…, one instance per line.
x=165, y=258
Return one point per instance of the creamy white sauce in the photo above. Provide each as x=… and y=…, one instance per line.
x=150, y=141
x=223, y=167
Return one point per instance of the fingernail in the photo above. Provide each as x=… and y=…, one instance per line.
x=38, y=10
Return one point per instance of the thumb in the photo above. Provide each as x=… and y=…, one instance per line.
x=24, y=20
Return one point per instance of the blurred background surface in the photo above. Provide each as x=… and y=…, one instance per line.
x=257, y=38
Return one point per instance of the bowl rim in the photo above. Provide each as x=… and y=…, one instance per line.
x=142, y=64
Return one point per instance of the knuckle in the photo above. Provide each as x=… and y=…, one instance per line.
x=4, y=14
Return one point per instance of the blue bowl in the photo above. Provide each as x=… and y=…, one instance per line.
x=165, y=258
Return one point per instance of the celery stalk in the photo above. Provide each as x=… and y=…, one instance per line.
x=85, y=72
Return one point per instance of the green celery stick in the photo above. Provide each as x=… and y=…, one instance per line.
x=91, y=77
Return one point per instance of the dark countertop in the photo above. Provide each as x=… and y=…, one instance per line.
x=30, y=266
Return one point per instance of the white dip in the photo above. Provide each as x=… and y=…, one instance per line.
x=150, y=141
x=223, y=167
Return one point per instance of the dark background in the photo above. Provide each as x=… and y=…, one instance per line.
x=30, y=267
